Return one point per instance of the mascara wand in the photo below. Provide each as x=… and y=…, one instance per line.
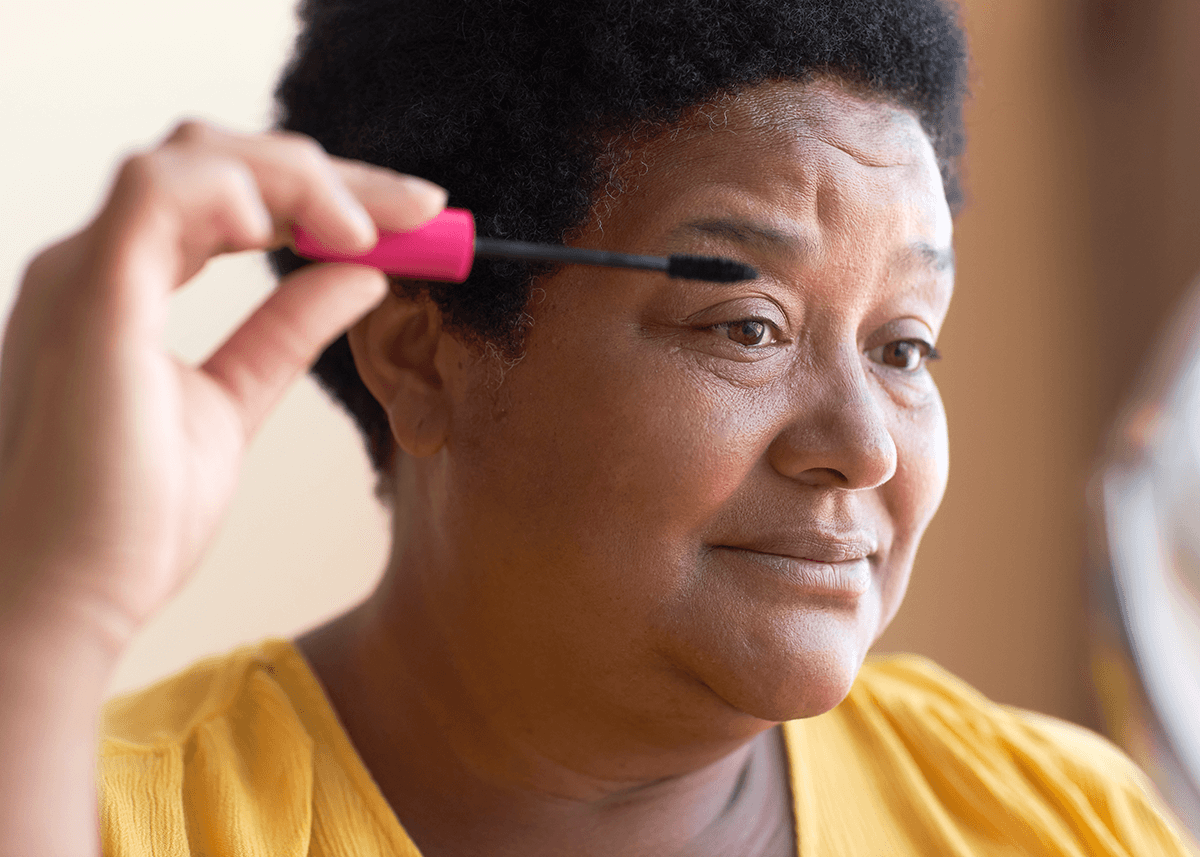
x=445, y=248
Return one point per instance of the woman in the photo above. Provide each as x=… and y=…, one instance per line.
x=645, y=530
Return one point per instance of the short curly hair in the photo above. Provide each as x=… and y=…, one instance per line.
x=512, y=106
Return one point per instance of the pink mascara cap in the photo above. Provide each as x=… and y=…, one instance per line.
x=442, y=249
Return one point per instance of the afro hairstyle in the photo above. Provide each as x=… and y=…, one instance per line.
x=512, y=106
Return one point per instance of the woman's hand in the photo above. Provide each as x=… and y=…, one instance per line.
x=117, y=460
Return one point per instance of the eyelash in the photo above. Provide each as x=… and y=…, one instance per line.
x=926, y=353
x=767, y=325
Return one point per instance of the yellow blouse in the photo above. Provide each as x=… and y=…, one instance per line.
x=243, y=755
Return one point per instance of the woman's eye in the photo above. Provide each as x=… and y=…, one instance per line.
x=908, y=355
x=748, y=332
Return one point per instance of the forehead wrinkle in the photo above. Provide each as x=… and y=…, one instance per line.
x=885, y=132
x=859, y=157
x=749, y=234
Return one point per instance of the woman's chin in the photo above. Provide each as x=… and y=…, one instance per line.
x=786, y=671
x=795, y=692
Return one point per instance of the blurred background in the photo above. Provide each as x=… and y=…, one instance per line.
x=1080, y=238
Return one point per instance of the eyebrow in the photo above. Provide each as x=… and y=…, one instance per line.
x=760, y=236
x=930, y=257
x=747, y=233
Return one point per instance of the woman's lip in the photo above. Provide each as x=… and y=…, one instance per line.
x=811, y=548
x=848, y=578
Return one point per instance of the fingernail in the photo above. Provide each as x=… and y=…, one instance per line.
x=364, y=226
x=426, y=194
x=360, y=220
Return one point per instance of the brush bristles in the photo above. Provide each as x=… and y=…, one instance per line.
x=709, y=268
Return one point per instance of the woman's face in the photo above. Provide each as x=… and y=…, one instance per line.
x=690, y=499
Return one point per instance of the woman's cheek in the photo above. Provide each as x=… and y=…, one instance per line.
x=922, y=469
x=935, y=450
x=912, y=497
x=713, y=433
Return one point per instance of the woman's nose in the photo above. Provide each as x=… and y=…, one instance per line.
x=836, y=434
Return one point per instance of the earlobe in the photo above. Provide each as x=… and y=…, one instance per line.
x=395, y=348
x=418, y=417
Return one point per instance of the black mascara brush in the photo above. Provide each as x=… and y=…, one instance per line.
x=445, y=248
x=709, y=268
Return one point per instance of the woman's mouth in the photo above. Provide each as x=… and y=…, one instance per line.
x=830, y=568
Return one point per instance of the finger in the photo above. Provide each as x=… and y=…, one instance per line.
x=336, y=200
x=396, y=202
x=288, y=331
x=295, y=177
x=206, y=202
x=206, y=191
x=168, y=213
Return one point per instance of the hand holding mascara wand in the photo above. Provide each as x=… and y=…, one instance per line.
x=445, y=248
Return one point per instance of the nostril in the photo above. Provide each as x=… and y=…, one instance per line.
x=825, y=476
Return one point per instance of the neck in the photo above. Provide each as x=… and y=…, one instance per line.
x=470, y=769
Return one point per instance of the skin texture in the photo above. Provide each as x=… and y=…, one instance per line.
x=682, y=517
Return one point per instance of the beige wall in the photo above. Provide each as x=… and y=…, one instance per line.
x=1044, y=333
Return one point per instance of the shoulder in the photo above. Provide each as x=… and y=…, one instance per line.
x=173, y=709
x=193, y=755
x=922, y=699
x=1069, y=782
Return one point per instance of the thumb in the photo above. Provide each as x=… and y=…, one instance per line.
x=287, y=333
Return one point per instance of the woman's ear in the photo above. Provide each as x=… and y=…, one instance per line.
x=395, y=348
